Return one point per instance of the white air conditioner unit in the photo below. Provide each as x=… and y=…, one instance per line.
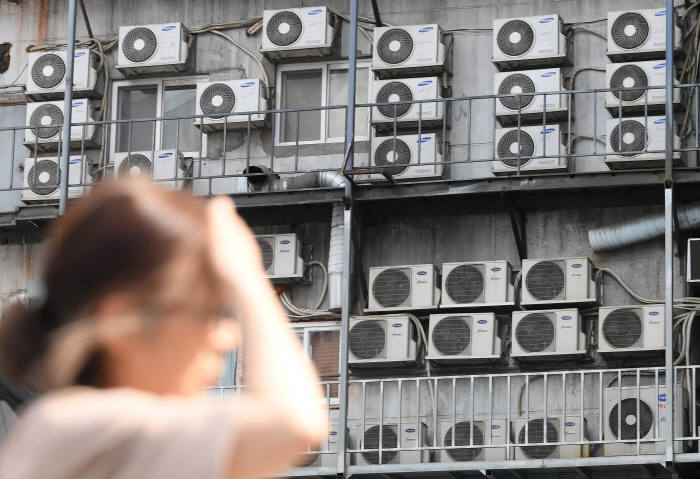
x=621, y=419
x=165, y=167
x=531, y=107
x=42, y=178
x=465, y=432
x=218, y=177
x=46, y=74
x=45, y=120
x=557, y=281
x=553, y=332
x=408, y=50
x=153, y=48
x=622, y=77
x=529, y=42
x=403, y=156
x=638, y=142
x=297, y=32
x=535, y=141
x=463, y=337
x=639, y=34
x=327, y=455
x=535, y=434
x=281, y=255
x=221, y=101
x=382, y=341
x=401, y=288
x=625, y=329
x=385, y=93
x=387, y=435
x=478, y=284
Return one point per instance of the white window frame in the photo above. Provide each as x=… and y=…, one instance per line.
x=325, y=68
x=306, y=330
x=160, y=84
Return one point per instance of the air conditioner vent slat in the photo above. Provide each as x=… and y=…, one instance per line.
x=393, y=152
x=139, y=44
x=462, y=433
x=389, y=441
x=535, y=434
x=367, y=340
x=634, y=138
x=509, y=142
x=394, y=92
x=629, y=419
x=392, y=287
x=515, y=38
x=48, y=114
x=48, y=71
x=284, y=28
x=622, y=328
x=452, y=335
x=395, y=46
x=44, y=177
x=135, y=165
x=546, y=280
x=268, y=253
x=514, y=84
x=630, y=30
x=465, y=284
x=629, y=76
x=535, y=332
x=217, y=100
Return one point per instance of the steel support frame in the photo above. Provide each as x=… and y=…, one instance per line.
x=67, y=109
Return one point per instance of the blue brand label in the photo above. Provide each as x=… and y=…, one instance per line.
x=569, y=424
x=495, y=426
x=482, y=321
x=77, y=103
x=660, y=121
x=547, y=131
x=547, y=20
x=660, y=13
x=410, y=429
x=495, y=268
x=548, y=74
x=79, y=54
x=566, y=318
x=662, y=397
x=165, y=155
x=422, y=273
x=247, y=84
x=285, y=242
x=424, y=139
x=397, y=325
x=577, y=265
x=659, y=66
x=333, y=433
x=425, y=82
x=169, y=27
x=315, y=12
x=653, y=313
x=74, y=161
x=425, y=29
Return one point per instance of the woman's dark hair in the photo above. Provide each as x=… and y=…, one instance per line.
x=127, y=237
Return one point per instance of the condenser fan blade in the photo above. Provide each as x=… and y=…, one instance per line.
x=515, y=38
x=630, y=30
x=625, y=82
x=622, y=328
x=535, y=434
x=139, y=44
x=508, y=148
x=394, y=154
x=394, y=92
x=135, y=165
x=389, y=441
x=516, y=84
x=48, y=71
x=452, y=335
x=535, y=333
x=367, y=340
x=628, y=138
x=395, y=46
x=43, y=177
x=284, y=28
x=217, y=100
x=463, y=437
x=44, y=116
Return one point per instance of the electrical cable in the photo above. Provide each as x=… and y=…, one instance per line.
x=591, y=31
x=583, y=69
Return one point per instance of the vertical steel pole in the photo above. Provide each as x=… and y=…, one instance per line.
x=67, y=108
x=668, y=233
x=352, y=69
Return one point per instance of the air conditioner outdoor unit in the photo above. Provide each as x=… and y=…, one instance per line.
x=477, y=284
x=42, y=178
x=530, y=42
x=531, y=107
x=639, y=34
x=382, y=341
x=153, y=48
x=166, y=167
x=639, y=143
x=327, y=455
x=386, y=94
x=625, y=329
x=403, y=156
x=297, y=32
x=281, y=257
x=548, y=333
x=536, y=435
x=408, y=51
x=621, y=419
x=46, y=122
x=557, y=281
x=622, y=77
x=535, y=141
x=463, y=337
x=401, y=288
x=218, y=177
x=481, y=432
x=411, y=437
x=220, y=101
x=46, y=74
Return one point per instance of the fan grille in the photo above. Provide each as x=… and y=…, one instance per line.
x=622, y=328
x=633, y=138
x=392, y=92
x=43, y=177
x=629, y=419
x=515, y=84
x=391, y=153
x=135, y=165
x=515, y=38
x=452, y=335
x=535, y=434
x=217, y=100
x=395, y=46
x=392, y=287
x=284, y=28
x=46, y=115
x=389, y=441
x=463, y=435
x=48, y=70
x=630, y=30
x=509, y=142
x=535, y=333
x=465, y=284
x=545, y=280
x=139, y=44
x=367, y=340
x=628, y=76
x=268, y=254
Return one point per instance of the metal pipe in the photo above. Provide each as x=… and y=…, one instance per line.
x=375, y=10
x=67, y=108
x=352, y=76
x=86, y=19
x=321, y=179
x=335, y=258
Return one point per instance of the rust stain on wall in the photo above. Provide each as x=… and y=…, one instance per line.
x=42, y=27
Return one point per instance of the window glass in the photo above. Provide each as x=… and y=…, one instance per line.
x=302, y=88
x=136, y=103
x=180, y=101
x=338, y=95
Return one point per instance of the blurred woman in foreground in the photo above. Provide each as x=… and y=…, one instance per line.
x=142, y=284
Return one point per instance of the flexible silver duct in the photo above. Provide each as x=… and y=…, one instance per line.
x=641, y=229
x=321, y=179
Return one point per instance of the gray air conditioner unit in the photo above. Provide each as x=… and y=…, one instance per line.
x=472, y=434
x=477, y=284
x=410, y=50
x=46, y=74
x=42, y=178
x=165, y=167
x=402, y=288
x=555, y=432
x=541, y=150
x=638, y=142
x=225, y=103
x=528, y=42
x=388, y=112
x=631, y=87
x=281, y=255
x=297, y=32
x=639, y=34
x=45, y=120
x=547, y=334
x=557, y=281
x=627, y=329
x=463, y=337
x=407, y=157
x=518, y=90
x=382, y=341
x=387, y=435
x=154, y=48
